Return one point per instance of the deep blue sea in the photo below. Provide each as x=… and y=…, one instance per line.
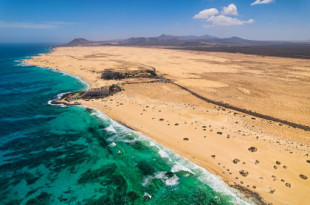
x=74, y=155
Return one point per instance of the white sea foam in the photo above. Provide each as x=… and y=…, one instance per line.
x=178, y=167
x=172, y=181
x=146, y=195
x=129, y=141
x=163, y=154
x=59, y=96
x=147, y=180
x=21, y=63
x=212, y=180
x=113, y=144
x=110, y=129
x=169, y=181
x=60, y=105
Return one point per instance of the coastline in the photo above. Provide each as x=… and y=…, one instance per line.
x=240, y=196
x=214, y=181
x=156, y=133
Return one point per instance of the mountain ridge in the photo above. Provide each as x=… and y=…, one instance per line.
x=208, y=43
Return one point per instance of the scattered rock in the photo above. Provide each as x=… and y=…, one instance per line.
x=308, y=161
x=252, y=149
x=185, y=139
x=288, y=185
x=213, y=156
x=161, y=119
x=236, y=161
x=176, y=124
x=278, y=163
x=272, y=191
x=244, y=173
x=303, y=176
x=219, y=133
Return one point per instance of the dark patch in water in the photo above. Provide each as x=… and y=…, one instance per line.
x=146, y=168
x=43, y=198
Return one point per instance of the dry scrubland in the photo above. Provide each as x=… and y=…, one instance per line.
x=250, y=153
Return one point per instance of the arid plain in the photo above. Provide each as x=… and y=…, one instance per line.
x=267, y=160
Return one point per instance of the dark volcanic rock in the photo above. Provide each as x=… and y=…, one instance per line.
x=252, y=149
x=303, y=176
x=244, y=173
x=236, y=161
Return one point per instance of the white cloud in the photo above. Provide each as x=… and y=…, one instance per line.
x=206, y=13
x=231, y=9
x=29, y=25
x=222, y=20
x=214, y=18
x=262, y=2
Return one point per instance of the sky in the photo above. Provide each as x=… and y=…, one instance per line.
x=63, y=20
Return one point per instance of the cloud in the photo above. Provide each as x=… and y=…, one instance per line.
x=261, y=2
x=214, y=18
x=222, y=20
x=28, y=25
x=231, y=9
x=206, y=13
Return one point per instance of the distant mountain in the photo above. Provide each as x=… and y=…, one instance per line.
x=166, y=40
x=193, y=38
x=170, y=40
x=160, y=40
x=78, y=42
x=296, y=49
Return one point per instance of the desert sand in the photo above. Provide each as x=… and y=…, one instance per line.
x=255, y=155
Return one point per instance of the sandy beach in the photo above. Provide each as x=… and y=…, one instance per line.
x=264, y=159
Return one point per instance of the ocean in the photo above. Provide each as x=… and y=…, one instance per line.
x=75, y=155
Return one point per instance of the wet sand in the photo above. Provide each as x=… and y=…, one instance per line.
x=263, y=156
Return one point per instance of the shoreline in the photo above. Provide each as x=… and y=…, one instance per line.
x=130, y=117
x=237, y=192
x=240, y=193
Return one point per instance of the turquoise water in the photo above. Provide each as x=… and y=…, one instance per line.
x=75, y=155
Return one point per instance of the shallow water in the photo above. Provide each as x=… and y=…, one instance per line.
x=74, y=155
